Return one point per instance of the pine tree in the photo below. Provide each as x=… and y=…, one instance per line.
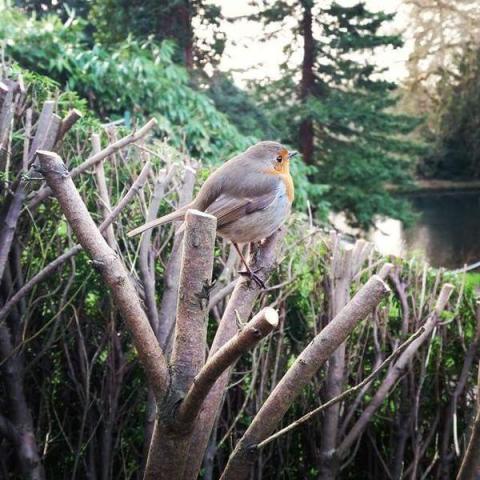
x=339, y=110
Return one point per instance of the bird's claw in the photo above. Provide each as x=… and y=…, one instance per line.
x=253, y=276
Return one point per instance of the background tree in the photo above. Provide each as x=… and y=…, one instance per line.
x=456, y=148
x=112, y=22
x=337, y=108
x=442, y=66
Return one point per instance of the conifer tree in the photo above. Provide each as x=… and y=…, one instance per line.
x=337, y=107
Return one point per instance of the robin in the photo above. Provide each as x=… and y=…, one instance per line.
x=250, y=195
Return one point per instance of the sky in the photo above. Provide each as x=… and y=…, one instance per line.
x=251, y=59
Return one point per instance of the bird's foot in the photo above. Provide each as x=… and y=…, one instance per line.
x=253, y=276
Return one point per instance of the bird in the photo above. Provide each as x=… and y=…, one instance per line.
x=250, y=195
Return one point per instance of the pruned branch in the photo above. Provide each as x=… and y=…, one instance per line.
x=189, y=346
x=300, y=373
x=256, y=329
x=73, y=116
x=240, y=305
x=111, y=269
x=167, y=453
x=45, y=192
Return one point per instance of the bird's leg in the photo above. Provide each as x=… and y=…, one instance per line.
x=249, y=271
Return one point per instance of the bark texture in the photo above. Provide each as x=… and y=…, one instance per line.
x=110, y=267
x=240, y=306
x=170, y=437
x=299, y=374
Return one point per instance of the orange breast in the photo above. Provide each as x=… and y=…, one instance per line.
x=287, y=179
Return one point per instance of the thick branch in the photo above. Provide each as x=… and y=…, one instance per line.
x=48, y=126
x=189, y=346
x=240, y=305
x=45, y=192
x=110, y=267
x=167, y=454
x=300, y=373
x=256, y=329
x=168, y=305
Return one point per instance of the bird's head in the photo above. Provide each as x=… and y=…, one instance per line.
x=271, y=155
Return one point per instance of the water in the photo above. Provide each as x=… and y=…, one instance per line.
x=447, y=233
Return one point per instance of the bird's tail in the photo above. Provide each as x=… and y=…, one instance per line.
x=171, y=217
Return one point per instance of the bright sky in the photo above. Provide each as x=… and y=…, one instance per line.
x=253, y=59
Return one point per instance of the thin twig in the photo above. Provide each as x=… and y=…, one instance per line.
x=346, y=393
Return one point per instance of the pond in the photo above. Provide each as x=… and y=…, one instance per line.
x=446, y=234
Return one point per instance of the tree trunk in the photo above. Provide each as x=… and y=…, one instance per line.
x=308, y=80
x=184, y=11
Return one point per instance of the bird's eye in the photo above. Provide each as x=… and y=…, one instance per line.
x=279, y=159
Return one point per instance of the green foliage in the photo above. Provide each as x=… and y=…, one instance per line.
x=239, y=107
x=135, y=79
x=360, y=144
x=114, y=21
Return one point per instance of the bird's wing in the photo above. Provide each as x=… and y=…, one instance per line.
x=228, y=209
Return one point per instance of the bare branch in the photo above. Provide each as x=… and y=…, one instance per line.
x=146, y=257
x=300, y=373
x=73, y=116
x=345, y=394
x=103, y=189
x=59, y=261
x=256, y=329
x=394, y=374
x=45, y=192
x=110, y=267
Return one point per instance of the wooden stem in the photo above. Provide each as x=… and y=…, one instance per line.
x=111, y=269
x=300, y=373
x=256, y=329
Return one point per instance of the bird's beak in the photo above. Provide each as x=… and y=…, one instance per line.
x=292, y=154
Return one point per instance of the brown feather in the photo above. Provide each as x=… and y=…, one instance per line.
x=177, y=215
x=228, y=209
